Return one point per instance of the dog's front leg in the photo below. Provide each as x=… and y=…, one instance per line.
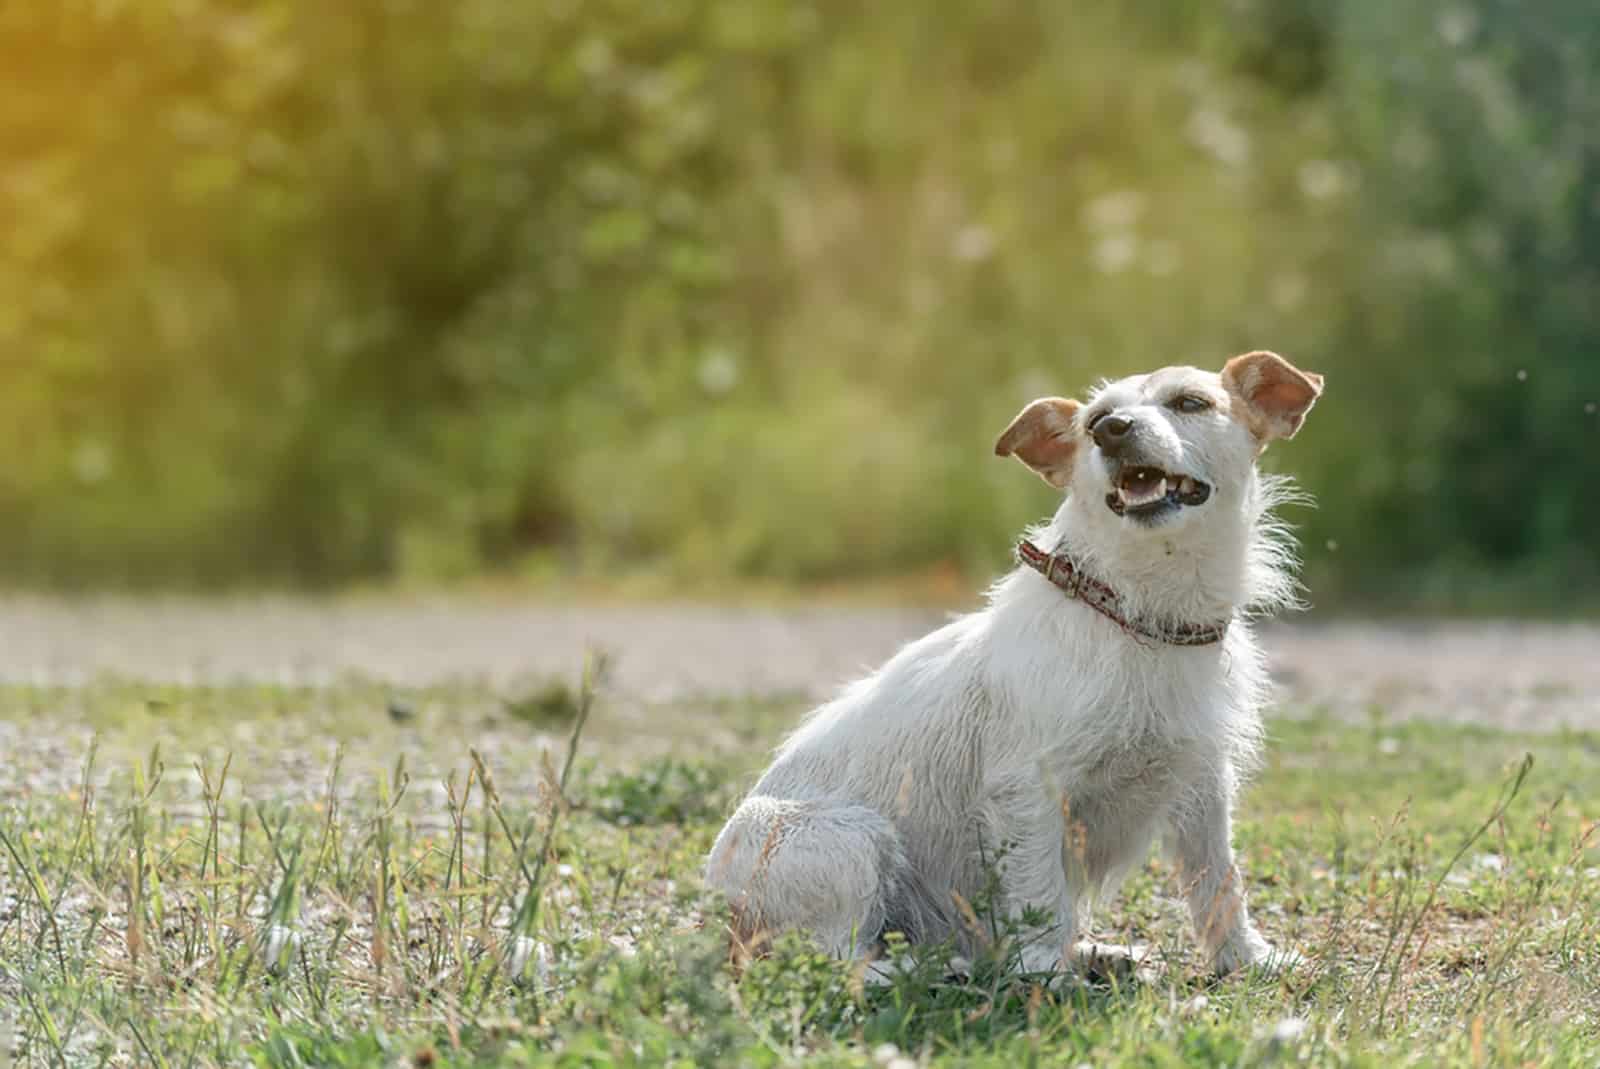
x=1200, y=839
x=1035, y=896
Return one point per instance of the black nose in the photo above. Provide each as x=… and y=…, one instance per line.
x=1111, y=432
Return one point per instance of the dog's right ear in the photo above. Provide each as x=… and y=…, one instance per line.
x=1275, y=394
x=1044, y=436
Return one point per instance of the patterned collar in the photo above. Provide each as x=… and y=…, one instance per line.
x=1064, y=573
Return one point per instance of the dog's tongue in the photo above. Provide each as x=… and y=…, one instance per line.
x=1140, y=482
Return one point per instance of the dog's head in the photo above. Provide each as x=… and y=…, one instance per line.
x=1173, y=447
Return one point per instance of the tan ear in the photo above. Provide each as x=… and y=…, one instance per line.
x=1273, y=395
x=1044, y=437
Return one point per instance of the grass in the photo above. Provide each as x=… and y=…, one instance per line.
x=351, y=876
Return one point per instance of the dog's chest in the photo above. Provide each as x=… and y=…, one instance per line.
x=1128, y=751
x=1145, y=773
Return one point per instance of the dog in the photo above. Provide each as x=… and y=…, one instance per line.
x=1108, y=695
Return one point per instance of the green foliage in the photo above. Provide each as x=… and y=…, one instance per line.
x=552, y=704
x=663, y=791
x=309, y=293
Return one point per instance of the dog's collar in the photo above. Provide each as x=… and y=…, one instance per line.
x=1064, y=573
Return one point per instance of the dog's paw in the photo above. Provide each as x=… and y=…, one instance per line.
x=1116, y=963
x=1052, y=969
x=886, y=972
x=1239, y=951
x=958, y=968
x=1279, y=961
x=1250, y=952
x=1041, y=959
x=879, y=973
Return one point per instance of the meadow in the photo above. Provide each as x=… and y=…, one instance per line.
x=463, y=875
x=555, y=304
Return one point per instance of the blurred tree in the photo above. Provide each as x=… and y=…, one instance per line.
x=299, y=293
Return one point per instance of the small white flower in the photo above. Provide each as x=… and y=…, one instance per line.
x=1388, y=745
x=1322, y=179
x=719, y=372
x=1457, y=25
x=1491, y=862
x=1114, y=211
x=1114, y=253
x=974, y=243
x=1225, y=140
x=91, y=463
x=596, y=57
x=1196, y=1005
x=1289, y=1030
x=524, y=951
x=283, y=943
x=885, y=1053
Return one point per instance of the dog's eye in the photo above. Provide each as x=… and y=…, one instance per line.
x=1188, y=402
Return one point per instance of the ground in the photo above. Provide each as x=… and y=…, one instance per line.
x=237, y=840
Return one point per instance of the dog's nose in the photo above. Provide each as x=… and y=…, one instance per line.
x=1111, y=432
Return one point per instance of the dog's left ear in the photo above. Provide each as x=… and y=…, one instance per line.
x=1275, y=395
x=1044, y=437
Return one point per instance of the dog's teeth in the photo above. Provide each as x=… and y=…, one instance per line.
x=1161, y=491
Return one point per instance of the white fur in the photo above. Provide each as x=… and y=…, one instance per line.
x=1035, y=738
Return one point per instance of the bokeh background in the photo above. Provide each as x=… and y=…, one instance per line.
x=309, y=294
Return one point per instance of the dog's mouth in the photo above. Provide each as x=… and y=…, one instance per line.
x=1146, y=491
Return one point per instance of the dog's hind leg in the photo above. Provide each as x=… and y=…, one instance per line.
x=827, y=867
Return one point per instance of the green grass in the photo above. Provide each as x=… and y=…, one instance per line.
x=294, y=877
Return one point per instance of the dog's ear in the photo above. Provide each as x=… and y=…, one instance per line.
x=1273, y=394
x=1044, y=436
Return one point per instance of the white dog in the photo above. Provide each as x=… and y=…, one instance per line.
x=1108, y=694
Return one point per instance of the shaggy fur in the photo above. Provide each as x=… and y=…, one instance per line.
x=1035, y=739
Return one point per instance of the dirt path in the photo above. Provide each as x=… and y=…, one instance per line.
x=1511, y=674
